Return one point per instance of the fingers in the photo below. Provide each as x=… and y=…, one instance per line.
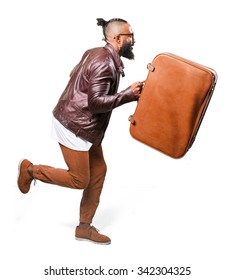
x=139, y=86
x=142, y=83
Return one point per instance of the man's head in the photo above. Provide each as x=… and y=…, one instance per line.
x=118, y=32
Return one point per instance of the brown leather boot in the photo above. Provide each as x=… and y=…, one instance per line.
x=91, y=234
x=24, y=177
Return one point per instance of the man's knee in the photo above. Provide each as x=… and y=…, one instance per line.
x=80, y=182
x=102, y=170
x=83, y=181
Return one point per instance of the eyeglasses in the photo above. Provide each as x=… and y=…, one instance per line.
x=131, y=35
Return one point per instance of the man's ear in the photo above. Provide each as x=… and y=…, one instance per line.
x=117, y=38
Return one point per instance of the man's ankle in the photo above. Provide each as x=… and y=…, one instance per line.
x=84, y=225
x=30, y=170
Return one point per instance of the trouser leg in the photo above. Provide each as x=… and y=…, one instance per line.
x=76, y=177
x=91, y=195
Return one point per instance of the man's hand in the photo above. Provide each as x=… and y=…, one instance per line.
x=137, y=88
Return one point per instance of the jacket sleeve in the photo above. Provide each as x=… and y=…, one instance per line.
x=101, y=99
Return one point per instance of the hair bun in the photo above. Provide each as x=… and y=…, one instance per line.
x=101, y=22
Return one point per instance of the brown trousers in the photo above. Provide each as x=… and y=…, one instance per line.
x=86, y=170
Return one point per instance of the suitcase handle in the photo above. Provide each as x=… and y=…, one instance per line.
x=151, y=68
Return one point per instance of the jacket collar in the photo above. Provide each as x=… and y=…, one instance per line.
x=118, y=62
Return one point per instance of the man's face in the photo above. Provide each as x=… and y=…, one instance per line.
x=127, y=42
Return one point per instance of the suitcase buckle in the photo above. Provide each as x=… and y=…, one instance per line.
x=150, y=67
x=131, y=119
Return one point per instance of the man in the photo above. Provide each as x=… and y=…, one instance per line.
x=80, y=119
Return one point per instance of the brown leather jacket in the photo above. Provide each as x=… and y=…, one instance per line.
x=87, y=102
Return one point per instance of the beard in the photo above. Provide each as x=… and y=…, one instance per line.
x=126, y=51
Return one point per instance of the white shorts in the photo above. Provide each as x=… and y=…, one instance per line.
x=67, y=138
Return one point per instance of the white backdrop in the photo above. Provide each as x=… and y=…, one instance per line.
x=158, y=211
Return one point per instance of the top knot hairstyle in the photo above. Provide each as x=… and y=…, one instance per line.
x=105, y=24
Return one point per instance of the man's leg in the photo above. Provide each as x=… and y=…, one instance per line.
x=76, y=177
x=91, y=197
x=86, y=170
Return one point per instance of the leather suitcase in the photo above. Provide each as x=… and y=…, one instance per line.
x=172, y=105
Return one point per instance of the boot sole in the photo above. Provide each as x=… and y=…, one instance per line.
x=92, y=241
